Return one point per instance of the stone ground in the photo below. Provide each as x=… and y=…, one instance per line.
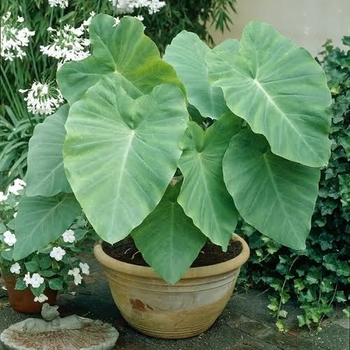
x=244, y=325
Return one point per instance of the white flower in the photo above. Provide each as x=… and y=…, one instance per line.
x=68, y=236
x=3, y=197
x=9, y=238
x=42, y=98
x=87, y=22
x=41, y=298
x=123, y=6
x=76, y=274
x=15, y=214
x=129, y=6
x=27, y=279
x=116, y=21
x=140, y=18
x=61, y=3
x=15, y=268
x=57, y=253
x=17, y=186
x=154, y=6
x=85, y=268
x=36, y=281
x=13, y=37
x=68, y=43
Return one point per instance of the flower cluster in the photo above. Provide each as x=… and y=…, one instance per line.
x=68, y=43
x=129, y=6
x=14, y=37
x=42, y=98
x=56, y=266
x=58, y=3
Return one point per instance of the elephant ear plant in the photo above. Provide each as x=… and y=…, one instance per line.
x=245, y=126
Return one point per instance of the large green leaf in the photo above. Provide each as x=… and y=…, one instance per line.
x=168, y=240
x=186, y=54
x=45, y=175
x=76, y=77
x=204, y=196
x=122, y=51
x=280, y=90
x=272, y=194
x=41, y=220
x=128, y=147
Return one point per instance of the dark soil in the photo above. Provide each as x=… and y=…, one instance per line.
x=210, y=254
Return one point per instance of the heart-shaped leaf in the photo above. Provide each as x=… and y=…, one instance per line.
x=129, y=147
x=121, y=51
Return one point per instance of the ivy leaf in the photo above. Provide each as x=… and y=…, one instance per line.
x=276, y=284
x=273, y=306
x=347, y=311
x=302, y=320
x=330, y=262
x=340, y=297
x=299, y=285
x=343, y=269
x=327, y=285
x=282, y=313
x=284, y=297
x=280, y=324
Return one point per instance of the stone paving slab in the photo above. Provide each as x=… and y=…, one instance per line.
x=245, y=324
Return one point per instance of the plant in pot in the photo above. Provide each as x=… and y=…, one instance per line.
x=244, y=126
x=38, y=277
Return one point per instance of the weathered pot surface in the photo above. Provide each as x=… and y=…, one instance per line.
x=156, y=308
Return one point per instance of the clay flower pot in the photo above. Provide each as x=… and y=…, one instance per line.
x=156, y=308
x=23, y=300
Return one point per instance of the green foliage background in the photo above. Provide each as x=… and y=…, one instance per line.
x=318, y=278
x=194, y=16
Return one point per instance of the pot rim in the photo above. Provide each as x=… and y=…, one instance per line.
x=193, y=272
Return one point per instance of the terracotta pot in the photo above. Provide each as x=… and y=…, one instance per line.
x=156, y=308
x=23, y=300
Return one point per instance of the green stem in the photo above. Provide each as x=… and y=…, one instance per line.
x=284, y=284
x=12, y=97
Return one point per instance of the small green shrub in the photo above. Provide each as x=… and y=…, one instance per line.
x=318, y=277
